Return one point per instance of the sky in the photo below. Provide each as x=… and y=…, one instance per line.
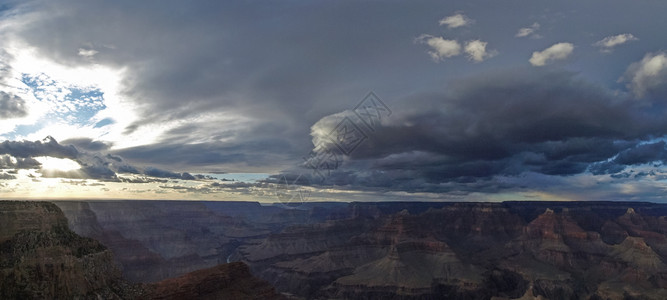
x=292, y=101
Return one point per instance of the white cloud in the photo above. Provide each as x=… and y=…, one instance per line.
x=477, y=52
x=87, y=52
x=457, y=20
x=556, y=52
x=648, y=75
x=529, y=31
x=610, y=42
x=441, y=48
x=53, y=82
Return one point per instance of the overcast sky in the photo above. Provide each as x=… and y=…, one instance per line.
x=342, y=100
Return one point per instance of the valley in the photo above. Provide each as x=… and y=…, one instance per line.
x=509, y=250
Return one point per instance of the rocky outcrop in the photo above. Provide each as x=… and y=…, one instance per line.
x=227, y=281
x=40, y=258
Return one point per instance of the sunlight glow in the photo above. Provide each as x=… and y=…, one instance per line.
x=58, y=164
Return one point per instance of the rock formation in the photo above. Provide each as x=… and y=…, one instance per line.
x=41, y=258
x=510, y=250
x=226, y=281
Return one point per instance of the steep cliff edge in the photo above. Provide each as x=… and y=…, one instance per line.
x=40, y=258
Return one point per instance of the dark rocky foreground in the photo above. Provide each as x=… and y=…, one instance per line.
x=511, y=250
x=41, y=258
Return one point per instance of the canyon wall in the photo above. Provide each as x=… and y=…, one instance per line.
x=411, y=250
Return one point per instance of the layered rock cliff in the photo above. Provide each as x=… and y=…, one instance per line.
x=155, y=240
x=472, y=251
x=511, y=250
x=40, y=258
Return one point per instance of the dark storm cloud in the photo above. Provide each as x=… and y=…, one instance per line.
x=128, y=169
x=641, y=154
x=12, y=106
x=9, y=162
x=503, y=123
x=87, y=144
x=106, y=166
x=253, y=153
x=279, y=65
x=94, y=165
x=46, y=147
x=155, y=172
x=202, y=54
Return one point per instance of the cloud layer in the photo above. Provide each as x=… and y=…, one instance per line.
x=136, y=93
x=94, y=165
x=501, y=124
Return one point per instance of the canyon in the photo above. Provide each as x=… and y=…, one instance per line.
x=41, y=258
x=388, y=250
x=553, y=250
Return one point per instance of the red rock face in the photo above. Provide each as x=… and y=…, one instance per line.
x=228, y=281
